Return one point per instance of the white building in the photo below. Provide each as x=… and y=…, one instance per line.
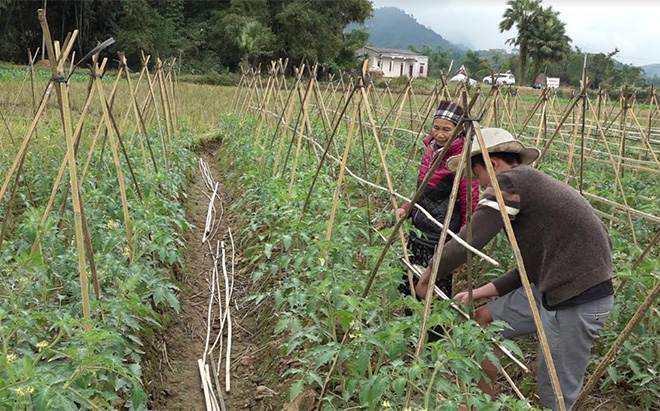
x=395, y=62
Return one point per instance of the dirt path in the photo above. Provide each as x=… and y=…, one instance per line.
x=255, y=367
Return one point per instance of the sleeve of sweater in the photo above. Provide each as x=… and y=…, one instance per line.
x=508, y=282
x=487, y=222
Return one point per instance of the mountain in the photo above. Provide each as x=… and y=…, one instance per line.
x=393, y=28
x=651, y=70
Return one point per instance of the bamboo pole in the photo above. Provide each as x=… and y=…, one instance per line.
x=152, y=95
x=101, y=126
x=250, y=79
x=163, y=98
x=10, y=203
x=543, y=122
x=296, y=89
x=137, y=87
x=468, y=216
x=557, y=129
x=617, y=182
x=432, y=102
x=583, y=95
x=571, y=150
x=138, y=114
x=57, y=67
x=172, y=91
x=264, y=105
x=305, y=102
x=114, y=133
x=239, y=88
x=645, y=138
x=342, y=168
x=623, y=132
x=138, y=129
x=323, y=156
x=286, y=114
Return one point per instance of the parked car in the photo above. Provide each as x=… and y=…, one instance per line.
x=501, y=78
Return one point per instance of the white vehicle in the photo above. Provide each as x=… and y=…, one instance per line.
x=501, y=78
x=462, y=78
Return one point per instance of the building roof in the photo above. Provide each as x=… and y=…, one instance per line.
x=389, y=52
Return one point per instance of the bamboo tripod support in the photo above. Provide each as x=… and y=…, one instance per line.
x=58, y=56
x=60, y=174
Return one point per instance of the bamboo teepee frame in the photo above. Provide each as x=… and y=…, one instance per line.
x=58, y=57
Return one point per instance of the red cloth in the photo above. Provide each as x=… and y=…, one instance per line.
x=456, y=148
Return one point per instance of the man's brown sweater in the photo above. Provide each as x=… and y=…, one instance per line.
x=565, y=246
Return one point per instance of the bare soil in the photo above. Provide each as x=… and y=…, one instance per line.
x=255, y=362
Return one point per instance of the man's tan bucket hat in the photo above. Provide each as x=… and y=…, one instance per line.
x=498, y=141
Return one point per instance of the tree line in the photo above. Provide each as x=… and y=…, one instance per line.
x=209, y=35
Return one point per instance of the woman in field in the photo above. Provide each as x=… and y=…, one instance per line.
x=435, y=198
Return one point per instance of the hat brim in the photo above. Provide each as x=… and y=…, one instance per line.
x=527, y=154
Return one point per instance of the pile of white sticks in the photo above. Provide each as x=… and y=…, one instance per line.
x=207, y=365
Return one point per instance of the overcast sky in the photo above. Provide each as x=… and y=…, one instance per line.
x=633, y=26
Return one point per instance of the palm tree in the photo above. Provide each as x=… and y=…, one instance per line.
x=522, y=14
x=254, y=39
x=548, y=42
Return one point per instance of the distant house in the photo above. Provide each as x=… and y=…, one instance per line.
x=396, y=62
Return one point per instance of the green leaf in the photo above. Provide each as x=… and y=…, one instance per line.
x=400, y=385
x=312, y=376
x=414, y=371
x=364, y=357
x=173, y=301
x=286, y=240
x=136, y=370
x=268, y=250
x=345, y=318
x=137, y=396
x=296, y=389
x=325, y=357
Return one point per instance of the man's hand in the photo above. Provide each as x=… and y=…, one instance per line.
x=485, y=291
x=423, y=283
x=400, y=212
x=464, y=297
